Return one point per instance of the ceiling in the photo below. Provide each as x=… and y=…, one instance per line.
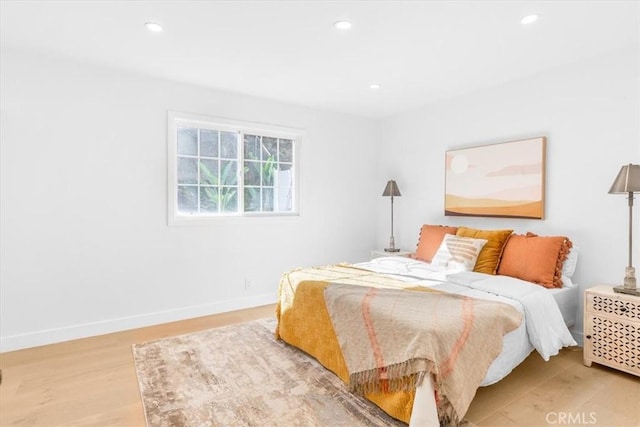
x=420, y=52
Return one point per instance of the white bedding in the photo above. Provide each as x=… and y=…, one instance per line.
x=567, y=299
x=544, y=327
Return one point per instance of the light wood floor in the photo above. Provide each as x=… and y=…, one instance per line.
x=92, y=382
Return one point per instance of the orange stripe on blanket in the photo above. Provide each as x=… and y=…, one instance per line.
x=366, y=314
x=467, y=317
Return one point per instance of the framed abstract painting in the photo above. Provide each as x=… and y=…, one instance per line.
x=499, y=180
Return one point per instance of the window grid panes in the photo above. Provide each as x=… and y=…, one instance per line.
x=268, y=174
x=221, y=172
x=207, y=171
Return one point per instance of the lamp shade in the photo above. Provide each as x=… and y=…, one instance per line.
x=391, y=189
x=627, y=181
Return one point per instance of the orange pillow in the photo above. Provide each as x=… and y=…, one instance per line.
x=491, y=252
x=430, y=239
x=536, y=259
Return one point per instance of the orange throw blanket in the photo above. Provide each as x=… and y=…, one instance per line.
x=390, y=339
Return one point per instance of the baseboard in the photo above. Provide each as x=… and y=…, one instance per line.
x=51, y=336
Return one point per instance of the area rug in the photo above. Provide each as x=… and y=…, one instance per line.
x=240, y=375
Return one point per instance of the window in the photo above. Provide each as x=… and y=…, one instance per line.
x=222, y=168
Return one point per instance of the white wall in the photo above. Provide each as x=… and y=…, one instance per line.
x=85, y=245
x=589, y=113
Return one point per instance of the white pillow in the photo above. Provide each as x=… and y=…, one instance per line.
x=458, y=252
x=566, y=282
x=569, y=266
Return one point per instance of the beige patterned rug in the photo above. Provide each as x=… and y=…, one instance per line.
x=239, y=375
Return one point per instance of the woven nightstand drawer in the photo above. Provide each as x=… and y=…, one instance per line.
x=623, y=307
x=612, y=329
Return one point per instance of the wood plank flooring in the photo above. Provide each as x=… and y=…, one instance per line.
x=92, y=382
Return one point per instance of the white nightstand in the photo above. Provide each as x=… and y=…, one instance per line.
x=376, y=253
x=612, y=329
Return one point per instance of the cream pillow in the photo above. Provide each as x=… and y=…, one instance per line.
x=458, y=252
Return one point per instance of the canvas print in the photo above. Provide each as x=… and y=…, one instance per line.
x=497, y=180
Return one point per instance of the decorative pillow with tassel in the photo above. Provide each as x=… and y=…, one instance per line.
x=537, y=259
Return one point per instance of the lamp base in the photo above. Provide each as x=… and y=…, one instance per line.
x=629, y=284
x=628, y=291
x=392, y=244
x=630, y=278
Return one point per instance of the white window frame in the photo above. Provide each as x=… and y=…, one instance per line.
x=175, y=119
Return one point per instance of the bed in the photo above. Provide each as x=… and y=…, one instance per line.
x=306, y=321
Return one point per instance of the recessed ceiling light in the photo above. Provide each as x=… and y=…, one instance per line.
x=374, y=86
x=529, y=19
x=153, y=27
x=342, y=25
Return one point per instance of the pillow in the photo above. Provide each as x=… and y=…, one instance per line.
x=536, y=259
x=569, y=266
x=490, y=254
x=430, y=239
x=458, y=252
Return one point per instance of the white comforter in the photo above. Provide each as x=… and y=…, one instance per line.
x=545, y=326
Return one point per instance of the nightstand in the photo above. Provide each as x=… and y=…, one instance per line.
x=612, y=329
x=376, y=253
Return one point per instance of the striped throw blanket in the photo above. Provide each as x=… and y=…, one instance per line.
x=391, y=339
